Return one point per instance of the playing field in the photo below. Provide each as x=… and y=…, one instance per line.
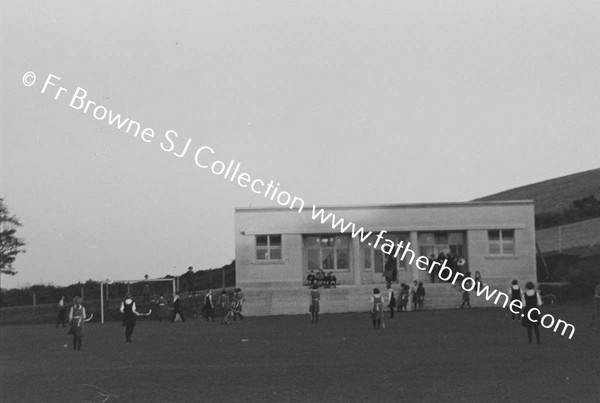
x=452, y=355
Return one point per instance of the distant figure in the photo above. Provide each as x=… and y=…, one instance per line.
x=77, y=319
x=225, y=307
x=531, y=301
x=189, y=278
x=433, y=272
x=515, y=294
x=404, y=293
x=377, y=302
x=314, y=304
x=390, y=269
x=146, y=292
x=129, y=316
x=478, y=279
x=319, y=277
x=327, y=280
x=466, y=299
x=420, y=296
x=414, y=296
x=310, y=279
x=209, y=307
x=163, y=309
x=177, y=309
x=461, y=265
x=238, y=301
x=62, y=312
x=392, y=301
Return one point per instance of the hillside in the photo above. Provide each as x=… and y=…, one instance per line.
x=554, y=195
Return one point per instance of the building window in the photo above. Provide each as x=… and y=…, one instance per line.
x=328, y=252
x=434, y=243
x=268, y=247
x=501, y=242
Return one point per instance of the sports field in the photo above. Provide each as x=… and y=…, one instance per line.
x=428, y=356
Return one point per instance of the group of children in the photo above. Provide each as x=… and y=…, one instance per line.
x=226, y=307
x=321, y=279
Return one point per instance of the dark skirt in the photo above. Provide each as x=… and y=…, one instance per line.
x=129, y=320
x=535, y=315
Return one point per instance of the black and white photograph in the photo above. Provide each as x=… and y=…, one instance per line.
x=299, y=201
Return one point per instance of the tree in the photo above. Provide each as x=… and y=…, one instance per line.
x=10, y=244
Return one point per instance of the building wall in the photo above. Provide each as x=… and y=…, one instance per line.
x=474, y=219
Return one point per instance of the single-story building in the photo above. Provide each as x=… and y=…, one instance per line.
x=276, y=248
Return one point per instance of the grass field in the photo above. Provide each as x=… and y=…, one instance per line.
x=430, y=356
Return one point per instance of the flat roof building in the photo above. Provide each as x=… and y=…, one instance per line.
x=276, y=249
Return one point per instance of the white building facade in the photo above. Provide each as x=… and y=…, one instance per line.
x=276, y=248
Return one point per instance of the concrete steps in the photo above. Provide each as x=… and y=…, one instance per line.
x=273, y=300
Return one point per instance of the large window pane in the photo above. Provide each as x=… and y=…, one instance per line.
x=494, y=248
x=367, y=257
x=314, y=259
x=508, y=235
x=276, y=253
x=261, y=240
x=342, y=259
x=327, y=258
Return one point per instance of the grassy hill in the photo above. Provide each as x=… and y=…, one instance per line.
x=554, y=195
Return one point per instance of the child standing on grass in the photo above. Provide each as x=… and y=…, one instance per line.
x=163, y=310
x=314, y=304
x=392, y=299
x=377, y=301
x=77, y=319
x=403, y=297
x=531, y=301
x=515, y=294
x=466, y=299
x=420, y=296
x=224, y=303
x=129, y=316
x=62, y=312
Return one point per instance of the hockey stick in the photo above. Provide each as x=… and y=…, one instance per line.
x=90, y=318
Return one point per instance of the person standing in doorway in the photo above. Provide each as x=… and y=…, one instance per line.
x=531, y=314
x=130, y=315
x=432, y=269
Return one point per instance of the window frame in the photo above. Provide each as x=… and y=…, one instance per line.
x=269, y=248
x=334, y=248
x=501, y=243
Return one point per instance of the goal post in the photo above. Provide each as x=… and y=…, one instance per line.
x=105, y=283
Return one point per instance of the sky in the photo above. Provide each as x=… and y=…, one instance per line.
x=342, y=102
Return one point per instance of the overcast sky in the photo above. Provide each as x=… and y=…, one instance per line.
x=342, y=102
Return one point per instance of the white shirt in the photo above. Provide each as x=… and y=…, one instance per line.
x=128, y=301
